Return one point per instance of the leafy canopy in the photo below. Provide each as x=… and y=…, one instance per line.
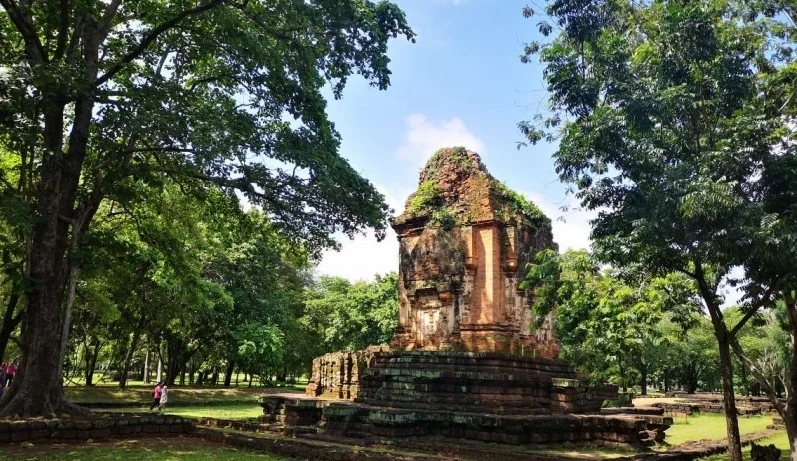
x=220, y=92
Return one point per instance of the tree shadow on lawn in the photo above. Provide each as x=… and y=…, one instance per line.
x=148, y=449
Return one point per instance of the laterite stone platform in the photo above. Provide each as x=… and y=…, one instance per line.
x=486, y=397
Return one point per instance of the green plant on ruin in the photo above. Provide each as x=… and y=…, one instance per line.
x=443, y=218
x=457, y=156
x=428, y=196
x=523, y=206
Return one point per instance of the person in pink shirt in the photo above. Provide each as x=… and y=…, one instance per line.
x=156, y=396
x=10, y=372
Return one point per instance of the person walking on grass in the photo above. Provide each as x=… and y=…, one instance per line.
x=10, y=372
x=164, y=397
x=156, y=396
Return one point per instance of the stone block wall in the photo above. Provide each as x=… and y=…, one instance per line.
x=612, y=431
x=777, y=424
x=478, y=382
x=337, y=374
x=60, y=430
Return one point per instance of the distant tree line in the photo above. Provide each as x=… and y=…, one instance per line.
x=649, y=332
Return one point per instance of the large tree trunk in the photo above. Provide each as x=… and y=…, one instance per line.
x=729, y=401
x=643, y=383
x=129, y=354
x=788, y=409
x=10, y=321
x=711, y=300
x=38, y=389
x=91, y=362
x=726, y=369
x=228, y=373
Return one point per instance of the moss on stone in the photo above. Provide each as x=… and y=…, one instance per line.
x=522, y=206
x=457, y=156
x=427, y=196
x=453, y=187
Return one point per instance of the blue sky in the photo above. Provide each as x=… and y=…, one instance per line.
x=461, y=83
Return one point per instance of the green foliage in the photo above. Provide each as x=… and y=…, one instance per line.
x=107, y=104
x=610, y=328
x=350, y=316
x=457, y=156
x=427, y=197
x=622, y=400
x=675, y=120
x=524, y=207
x=443, y=219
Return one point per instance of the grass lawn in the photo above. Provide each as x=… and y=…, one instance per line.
x=780, y=441
x=172, y=449
x=246, y=411
x=711, y=426
x=141, y=394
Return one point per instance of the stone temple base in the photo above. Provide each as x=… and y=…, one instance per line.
x=462, y=395
x=350, y=420
x=363, y=421
x=478, y=382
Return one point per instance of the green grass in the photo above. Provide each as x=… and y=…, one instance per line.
x=248, y=411
x=177, y=449
x=780, y=441
x=711, y=426
x=584, y=452
x=141, y=394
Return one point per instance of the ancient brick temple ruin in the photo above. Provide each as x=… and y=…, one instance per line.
x=464, y=242
x=468, y=360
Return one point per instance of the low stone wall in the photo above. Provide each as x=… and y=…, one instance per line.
x=337, y=374
x=777, y=424
x=286, y=411
x=704, y=407
x=645, y=427
x=60, y=430
x=355, y=421
x=713, y=403
x=478, y=382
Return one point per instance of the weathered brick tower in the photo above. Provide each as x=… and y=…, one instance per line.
x=468, y=360
x=464, y=242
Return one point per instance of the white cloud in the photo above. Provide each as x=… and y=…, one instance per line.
x=424, y=137
x=363, y=257
x=571, y=228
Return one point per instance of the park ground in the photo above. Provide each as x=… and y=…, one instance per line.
x=241, y=404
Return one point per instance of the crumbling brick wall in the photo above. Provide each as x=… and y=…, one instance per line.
x=337, y=374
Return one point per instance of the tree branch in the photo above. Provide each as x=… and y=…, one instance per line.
x=63, y=29
x=769, y=389
x=33, y=45
x=744, y=320
x=104, y=26
x=151, y=37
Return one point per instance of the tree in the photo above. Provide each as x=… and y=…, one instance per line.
x=607, y=325
x=351, y=316
x=97, y=93
x=665, y=131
